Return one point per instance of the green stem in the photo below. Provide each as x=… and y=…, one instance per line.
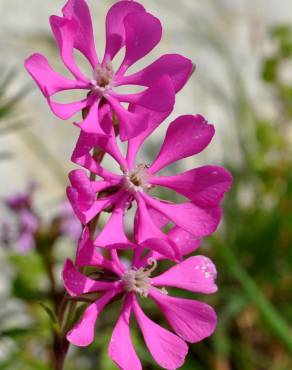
x=269, y=313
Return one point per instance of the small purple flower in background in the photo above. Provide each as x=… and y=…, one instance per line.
x=21, y=204
x=128, y=26
x=28, y=223
x=191, y=320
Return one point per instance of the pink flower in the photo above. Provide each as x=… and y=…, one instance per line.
x=191, y=320
x=204, y=187
x=128, y=26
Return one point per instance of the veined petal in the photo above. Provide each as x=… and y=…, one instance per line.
x=177, y=67
x=186, y=136
x=77, y=283
x=121, y=349
x=191, y=320
x=49, y=81
x=115, y=29
x=193, y=219
x=143, y=33
x=167, y=349
x=83, y=332
x=196, y=274
x=65, y=31
x=205, y=186
x=84, y=39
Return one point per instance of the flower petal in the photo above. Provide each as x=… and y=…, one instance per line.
x=115, y=29
x=84, y=39
x=159, y=97
x=191, y=320
x=186, y=242
x=83, y=332
x=67, y=110
x=154, y=120
x=145, y=228
x=49, y=81
x=82, y=196
x=130, y=124
x=143, y=33
x=167, y=349
x=121, y=349
x=186, y=136
x=193, y=219
x=65, y=31
x=88, y=255
x=112, y=234
x=90, y=124
x=177, y=67
x=196, y=274
x=205, y=186
x=77, y=284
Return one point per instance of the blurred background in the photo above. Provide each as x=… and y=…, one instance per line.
x=243, y=85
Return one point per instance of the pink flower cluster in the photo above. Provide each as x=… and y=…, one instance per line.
x=161, y=229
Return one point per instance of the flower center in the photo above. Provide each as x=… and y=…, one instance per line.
x=102, y=78
x=139, y=281
x=137, y=179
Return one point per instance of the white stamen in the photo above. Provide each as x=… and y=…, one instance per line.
x=139, y=281
x=102, y=78
x=137, y=179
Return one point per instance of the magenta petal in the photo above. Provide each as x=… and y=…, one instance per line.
x=81, y=184
x=196, y=274
x=130, y=124
x=177, y=67
x=191, y=320
x=88, y=255
x=77, y=283
x=160, y=97
x=162, y=246
x=193, y=219
x=186, y=136
x=82, y=196
x=205, y=186
x=84, y=39
x=49, y=81
x=112, y=234
x=83, y=332
x=66, y=111
x=154, y=120
x=167, y=349
x=143, y=33
x=91, y=124
x=65, y=32
x=121, y=349
x=115, y=29
x=145, y=228
x=186, y=242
